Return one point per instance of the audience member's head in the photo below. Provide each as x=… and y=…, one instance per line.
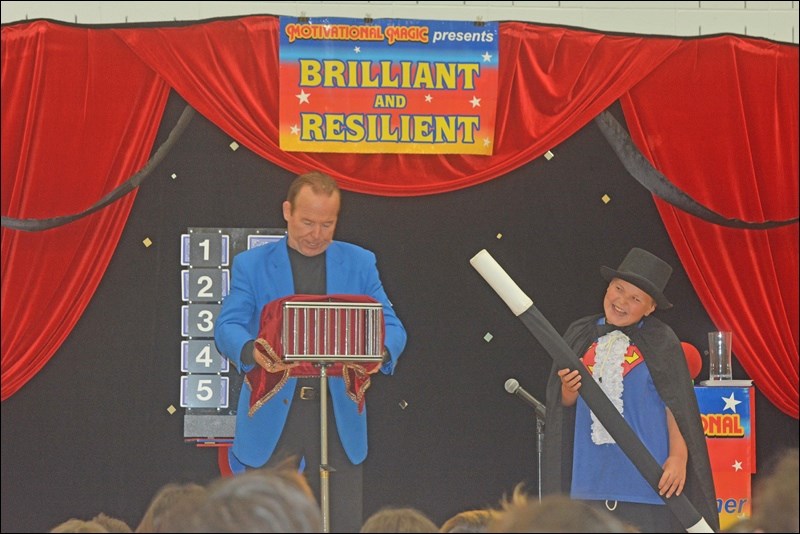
x=744, y=524
x=165, y=500
x=262, y=500
x=79, y=525
x=469, y=521
x=776, y=498
x=99, y=523
x=111, y=524
x=398, y=520
x=555, y=513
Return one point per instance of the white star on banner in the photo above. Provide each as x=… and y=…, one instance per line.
x=428, y=98
x=487, y=56
x=737, y=465
x=476, y=102
x=295, y=129
x=303, y=96
x=486, y=141
x=357, y=50
x=730, y=403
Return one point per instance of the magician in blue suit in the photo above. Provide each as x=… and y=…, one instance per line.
x=306, y=261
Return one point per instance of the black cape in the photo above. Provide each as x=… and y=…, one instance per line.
x=663, y=353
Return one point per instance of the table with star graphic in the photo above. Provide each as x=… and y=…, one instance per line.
x=727, y=408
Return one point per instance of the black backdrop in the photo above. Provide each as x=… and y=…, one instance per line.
x=91, y=432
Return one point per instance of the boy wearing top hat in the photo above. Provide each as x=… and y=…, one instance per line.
x=638, y=362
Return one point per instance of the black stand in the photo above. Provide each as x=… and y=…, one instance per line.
x=539, y=449
x=326, y=333
x=324, y=468
x=513, y=387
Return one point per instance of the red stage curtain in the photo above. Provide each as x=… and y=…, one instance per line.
x=80, y=113
x=79, y=116
x=733, y=147
x=552, y=82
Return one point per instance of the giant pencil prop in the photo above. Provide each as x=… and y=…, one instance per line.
x=522, y=306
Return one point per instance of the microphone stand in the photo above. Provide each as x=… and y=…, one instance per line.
x=539, y=448
x=513, y=387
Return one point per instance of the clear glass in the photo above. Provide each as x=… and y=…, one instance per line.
x=719, y=355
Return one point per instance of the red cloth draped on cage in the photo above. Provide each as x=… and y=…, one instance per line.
x=327, y=338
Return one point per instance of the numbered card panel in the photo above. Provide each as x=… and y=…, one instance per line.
x=205, y=285
x=204, y=391
x=201, y=356
x=197, y=320
x=256, y=240
x=205, y=249
x=209, y=391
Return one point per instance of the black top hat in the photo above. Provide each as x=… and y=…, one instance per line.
x=646, y=271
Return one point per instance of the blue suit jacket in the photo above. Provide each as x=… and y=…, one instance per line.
x=263, y=274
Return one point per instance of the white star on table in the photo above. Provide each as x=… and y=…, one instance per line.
x=487, y=56
x=295, y=129
x=357, y=50
x=428, y=98
x=731, y=403
x=303, y=96
x=476, y=102
x=737, y=465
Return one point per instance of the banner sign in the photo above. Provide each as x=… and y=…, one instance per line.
x=388, y=86
x=728, y=414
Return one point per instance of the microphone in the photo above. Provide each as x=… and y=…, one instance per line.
x=513, y=387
